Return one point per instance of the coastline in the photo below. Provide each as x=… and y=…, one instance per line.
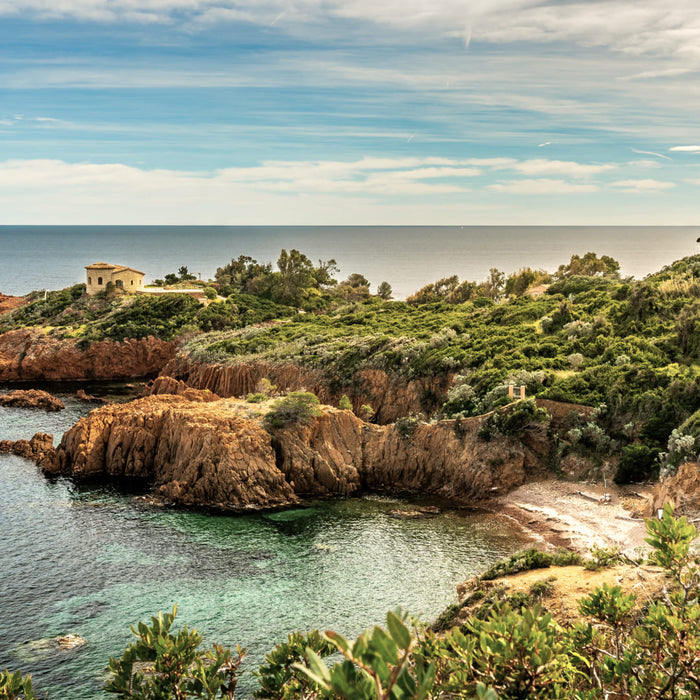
x=556, y=513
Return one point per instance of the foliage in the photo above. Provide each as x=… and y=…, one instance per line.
x=384, y=291
x=298, y=407
x=280, y=678
x=637, y=463
x=514, y=420
x=345, y=403
x=407, y=425
x=589, y=265
x=529, y=559
x=15, y=686
x=175, y=667
x=377, y=665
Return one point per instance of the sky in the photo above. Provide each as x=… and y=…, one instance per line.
x=359, y=112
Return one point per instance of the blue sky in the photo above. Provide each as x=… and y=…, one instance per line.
x=349, y=112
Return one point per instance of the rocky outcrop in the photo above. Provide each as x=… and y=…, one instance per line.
x=168, y=385
x=390, y=395
x=31, y=355
x=7, y=303
x=218, y=453
x=31, y=398
x=39, y=449
x=682, y=491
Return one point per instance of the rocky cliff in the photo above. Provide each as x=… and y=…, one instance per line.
x=217, y=453
x=682, y=491
x=32, y=355
x=390, y=395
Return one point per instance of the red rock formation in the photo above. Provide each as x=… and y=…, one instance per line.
x=7, y=303
x=391, y=395
x=219, y=454
x=681, y=490
x=30, y=355
x=39, y=449
x=31, y=398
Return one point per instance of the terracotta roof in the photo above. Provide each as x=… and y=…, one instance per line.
x=116, y=268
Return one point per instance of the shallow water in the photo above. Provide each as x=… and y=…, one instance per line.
x=92, y=561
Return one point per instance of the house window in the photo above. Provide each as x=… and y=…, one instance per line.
x=99, y=280
x=120, y=284
x=132, y=283
x=89, y=280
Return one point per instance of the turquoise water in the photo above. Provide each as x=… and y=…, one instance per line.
x=408, y=257
x=91, y=561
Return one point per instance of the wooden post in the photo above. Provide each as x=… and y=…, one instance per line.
x=522, y=391
x=510, y=391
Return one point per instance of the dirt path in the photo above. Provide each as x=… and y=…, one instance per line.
x=571, y=514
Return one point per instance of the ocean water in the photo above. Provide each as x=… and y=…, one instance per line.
x=90, y=560
x=52, y=257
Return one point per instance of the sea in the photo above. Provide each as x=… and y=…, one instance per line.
x=91, y=560
x=407, y=257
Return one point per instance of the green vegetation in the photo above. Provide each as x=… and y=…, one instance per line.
x=298, y=407
x=591, y=338
x=512, y=649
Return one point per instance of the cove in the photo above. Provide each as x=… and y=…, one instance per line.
x=93, y=560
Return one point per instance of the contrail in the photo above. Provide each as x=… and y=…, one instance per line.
x=651, y=153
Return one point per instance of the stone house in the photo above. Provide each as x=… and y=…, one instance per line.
x=100, y=274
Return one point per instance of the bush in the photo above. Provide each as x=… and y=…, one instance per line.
x=345, y=404
x=161, y=665
x=210, y=292
x=637, y=463
x=407, y=425
x=298, y=407
x=14, y=686
x=529, y=559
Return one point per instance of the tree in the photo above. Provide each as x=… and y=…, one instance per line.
x=185, y=275
x=384, y=291
x=590, y=265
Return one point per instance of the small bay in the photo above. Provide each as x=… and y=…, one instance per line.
x=90, y=560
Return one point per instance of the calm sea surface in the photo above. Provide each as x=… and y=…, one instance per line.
x=52, y=257
x=91, y=561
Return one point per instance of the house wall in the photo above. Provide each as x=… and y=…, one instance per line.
x=96, y=280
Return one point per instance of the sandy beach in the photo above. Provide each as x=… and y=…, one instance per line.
x=577, y=515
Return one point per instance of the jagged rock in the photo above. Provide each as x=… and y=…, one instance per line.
x=88, y=398
x=219, y=454
x=391, y=395
x=168, y=385
x=682, y=490
x=30, y=355
x=39, y=449
x=31, y=398
x=7, y=303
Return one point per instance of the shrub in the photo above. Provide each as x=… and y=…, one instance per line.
x=298, y=407
x=280, y=677
x=637, y=463
x=210, y=292
x=345, y=404
x=14, y=686
x=256, y=398
x=407, y=425
x=161, y=665
x=529, y=559
x=366, y=411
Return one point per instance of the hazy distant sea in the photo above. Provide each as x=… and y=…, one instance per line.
x=408, y=257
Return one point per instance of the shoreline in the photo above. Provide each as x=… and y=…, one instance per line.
x=566, y=514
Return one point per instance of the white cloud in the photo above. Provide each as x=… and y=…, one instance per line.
x=542, y=186
x=686, y=149
x=541, y=166
x=641, y=186
x=651, y=153
x=630, y=26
